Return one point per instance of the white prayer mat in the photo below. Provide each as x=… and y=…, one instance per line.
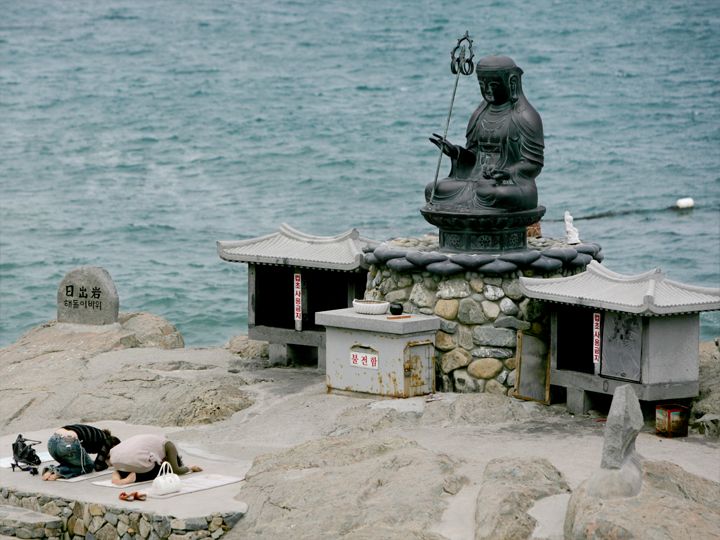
x=199, y=482
x=108, y=483
x=6, y=462
x=87, y=476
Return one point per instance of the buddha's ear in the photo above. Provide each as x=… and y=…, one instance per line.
x=513, y=83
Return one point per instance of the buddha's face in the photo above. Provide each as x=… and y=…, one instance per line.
x=493, y=88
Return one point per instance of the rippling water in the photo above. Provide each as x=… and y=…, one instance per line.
x=136, y=134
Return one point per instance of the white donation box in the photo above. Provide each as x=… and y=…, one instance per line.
x=388, y=355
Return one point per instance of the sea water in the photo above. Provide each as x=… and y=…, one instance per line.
x=134, y=135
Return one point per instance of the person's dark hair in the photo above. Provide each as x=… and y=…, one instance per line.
x=111, y=439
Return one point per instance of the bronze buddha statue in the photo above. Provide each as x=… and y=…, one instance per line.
x=495, y=172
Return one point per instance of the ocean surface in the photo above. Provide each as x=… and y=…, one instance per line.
x=135, y=134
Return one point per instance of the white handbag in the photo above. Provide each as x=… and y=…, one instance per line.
x=166, y=481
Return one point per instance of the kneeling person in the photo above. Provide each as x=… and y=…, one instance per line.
x=138, y=459
x=71, y=445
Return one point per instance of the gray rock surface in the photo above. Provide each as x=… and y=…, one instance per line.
x=247, y=348
x=672, y=504
x=708, y=401
x=510, y=487
x=331, y=448
x=391, y=488
x=151, y=330
x=97, y=383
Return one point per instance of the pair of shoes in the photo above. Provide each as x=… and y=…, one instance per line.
x=134, y=496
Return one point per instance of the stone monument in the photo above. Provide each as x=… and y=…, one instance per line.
x=620, y=473
x=489, y=197
x=87, y=295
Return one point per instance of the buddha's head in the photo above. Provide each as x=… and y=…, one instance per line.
x=499, y=79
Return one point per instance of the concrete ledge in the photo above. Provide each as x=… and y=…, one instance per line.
x=348, y=318
x=644, y=392
x=310, y=338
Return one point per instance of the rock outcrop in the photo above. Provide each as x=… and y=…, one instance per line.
x=65, y=371
x=510, y=488
x=133, y=330
x=629, y=498
x=391, y=488
x=708, y=402
x=672, y=503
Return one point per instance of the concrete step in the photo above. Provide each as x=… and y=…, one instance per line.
x=17, y=522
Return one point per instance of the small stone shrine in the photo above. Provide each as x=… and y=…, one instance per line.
x=292, y=276
x=609, y=329
x=87, y=295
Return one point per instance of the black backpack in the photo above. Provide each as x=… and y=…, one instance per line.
x=24, y=455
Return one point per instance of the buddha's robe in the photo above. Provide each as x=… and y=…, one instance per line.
x=507, y=137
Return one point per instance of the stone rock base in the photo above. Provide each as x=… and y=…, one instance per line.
x=89, y=520
x=672, y=503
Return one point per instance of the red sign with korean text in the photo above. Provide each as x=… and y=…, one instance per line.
x=298, y=297
x=596, y=338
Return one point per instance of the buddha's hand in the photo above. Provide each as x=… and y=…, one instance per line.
x=448, y=148
x=501, y=176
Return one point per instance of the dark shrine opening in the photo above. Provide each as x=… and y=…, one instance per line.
x=273, y=301
x=575, y=339
x=328, y=290
x=323, y=290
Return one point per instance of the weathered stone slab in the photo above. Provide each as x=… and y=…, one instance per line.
x=494, y=337
x=508, y=307
x=493, y=352
x=471, y=312
x=493, y=292
x=453, y=288
x=491, y=309
x=624, y=422
x=87, y=295
x=456, y=358
x=507, y=321
x=620, y=473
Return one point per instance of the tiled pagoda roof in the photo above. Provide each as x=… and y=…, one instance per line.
x=649, y=293
x=290, y=247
